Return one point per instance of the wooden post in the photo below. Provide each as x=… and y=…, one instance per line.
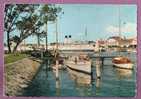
x=56, y=55
x=46, y=69
x=42, y=55
x=102, y=61
x=98, y=72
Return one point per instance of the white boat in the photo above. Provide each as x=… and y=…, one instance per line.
x=79, y=64
x=122, y=62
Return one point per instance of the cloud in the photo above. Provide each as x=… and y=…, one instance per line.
x=130, y=28
x=112, y=29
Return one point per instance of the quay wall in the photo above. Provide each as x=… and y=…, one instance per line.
x=19, y=74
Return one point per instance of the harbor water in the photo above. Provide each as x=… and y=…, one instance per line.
x=114, y=82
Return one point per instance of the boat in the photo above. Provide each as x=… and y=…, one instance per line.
x=81, y=63
x=61, y=65
x=122, y=62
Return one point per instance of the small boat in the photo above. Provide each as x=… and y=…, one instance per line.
x=122, y=62
x=80, y=63
x=61, y=65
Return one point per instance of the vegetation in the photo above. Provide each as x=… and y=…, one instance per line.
x=24, y=20
x=13, y=14
x=10, y=58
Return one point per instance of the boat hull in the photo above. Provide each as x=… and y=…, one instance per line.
x=124, y=65
x=80, y=67
x=122, y=62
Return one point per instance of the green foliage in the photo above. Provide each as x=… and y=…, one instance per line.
x=50, y=12
x=27, y=20
x=13, y=15
x=16, y=39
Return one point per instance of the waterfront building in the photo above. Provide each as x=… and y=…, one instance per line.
x=115, y=42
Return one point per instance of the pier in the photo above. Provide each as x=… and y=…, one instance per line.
x=101, y=55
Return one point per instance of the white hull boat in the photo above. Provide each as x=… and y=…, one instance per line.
x=124, y=66
x=79, y=64
x=122, y=62
x=84, y=67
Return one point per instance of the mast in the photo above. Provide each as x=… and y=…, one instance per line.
x=46, y=36
x=56, y=53
x=85, y=33
x=56, y=35
x=119, y=19
x=119, y=23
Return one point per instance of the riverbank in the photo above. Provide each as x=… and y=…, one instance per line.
x=19, y=74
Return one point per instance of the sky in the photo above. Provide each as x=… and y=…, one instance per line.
x=101, y=21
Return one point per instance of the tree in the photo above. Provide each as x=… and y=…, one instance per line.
x=26, y=21
x=49, y=13
x=13, y=12
x=27, y=26
x=39, y=36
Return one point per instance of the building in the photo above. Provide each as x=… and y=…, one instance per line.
x=117, y=42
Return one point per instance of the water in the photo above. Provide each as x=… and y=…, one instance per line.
x=113, y=82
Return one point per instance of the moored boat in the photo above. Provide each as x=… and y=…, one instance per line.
x=79, y=63
x=122, y=62
x=61, y=65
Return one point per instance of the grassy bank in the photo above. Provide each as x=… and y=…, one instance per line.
x=10, y=58
x=18, y=75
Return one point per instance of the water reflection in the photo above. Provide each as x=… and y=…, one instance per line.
x=45, y=68
x=113, y=82
x=98, y=84
x=124, y=73
x=80, y=78
x=58, y=88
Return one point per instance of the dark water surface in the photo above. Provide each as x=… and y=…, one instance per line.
x=113, y=82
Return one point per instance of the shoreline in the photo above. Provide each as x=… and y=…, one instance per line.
x=19, y=74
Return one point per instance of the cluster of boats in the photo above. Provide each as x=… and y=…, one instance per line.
x=82, y=64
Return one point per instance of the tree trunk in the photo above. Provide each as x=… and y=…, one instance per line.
x=38, y=40
x=8, y=42
x=15, y=48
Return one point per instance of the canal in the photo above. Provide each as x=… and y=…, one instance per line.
x=114, y=82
